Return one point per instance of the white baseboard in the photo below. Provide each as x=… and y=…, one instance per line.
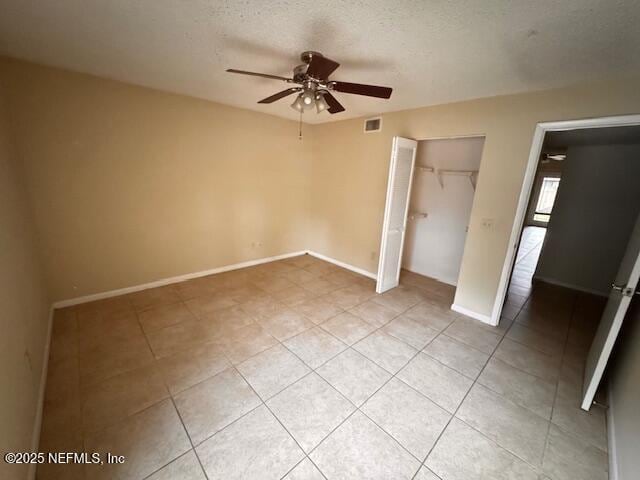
x=470, y=313
x=170, y=280
x=611, y=437
x=453, y=283
x=37, y=423
x=558, y=283
x=189, y=276
x=343, y=265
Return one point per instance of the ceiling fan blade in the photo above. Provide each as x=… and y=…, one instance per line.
x=280, y=95
x=321, y=67
x=334, y=105
x=360, y=89
x=254, y=74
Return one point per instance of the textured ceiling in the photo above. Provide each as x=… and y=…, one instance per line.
x=429, y=51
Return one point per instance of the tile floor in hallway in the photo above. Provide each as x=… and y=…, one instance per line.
x=296, y=369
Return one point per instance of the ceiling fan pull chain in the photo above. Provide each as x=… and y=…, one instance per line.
x=300, y=128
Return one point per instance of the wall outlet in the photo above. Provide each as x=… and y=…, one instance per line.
x=487, y=223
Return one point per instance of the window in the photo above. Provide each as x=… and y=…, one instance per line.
x=546, y=198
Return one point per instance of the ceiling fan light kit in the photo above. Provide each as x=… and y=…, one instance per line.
x=315, y=87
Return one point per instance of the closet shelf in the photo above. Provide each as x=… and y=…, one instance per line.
x=471, y=174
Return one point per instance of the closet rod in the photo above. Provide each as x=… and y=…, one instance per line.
x=465, y=173
x=414, y=215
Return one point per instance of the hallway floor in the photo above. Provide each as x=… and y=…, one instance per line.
x=297, y=369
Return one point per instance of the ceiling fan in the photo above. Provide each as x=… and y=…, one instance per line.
x=315, y=87
x=557, y=154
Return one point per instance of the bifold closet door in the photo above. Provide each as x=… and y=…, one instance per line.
x=403, y=157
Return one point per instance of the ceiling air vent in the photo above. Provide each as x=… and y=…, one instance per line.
x=373, y=125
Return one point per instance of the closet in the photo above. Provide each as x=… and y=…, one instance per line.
x=445, y=176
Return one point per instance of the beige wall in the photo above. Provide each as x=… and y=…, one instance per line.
x=131, y=185
x=349, y=174
x=24, y=313
x=595, y=210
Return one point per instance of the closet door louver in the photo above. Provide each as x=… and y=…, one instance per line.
x=403, y=156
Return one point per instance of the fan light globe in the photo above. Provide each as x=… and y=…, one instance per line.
x=308, y=99
x=321, y=103
x=298, y=104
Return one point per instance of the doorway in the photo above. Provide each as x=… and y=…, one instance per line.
x=543, y=197
x=581, y=211
x=590, y=241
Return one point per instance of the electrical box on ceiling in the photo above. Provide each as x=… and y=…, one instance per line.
x=373, y=125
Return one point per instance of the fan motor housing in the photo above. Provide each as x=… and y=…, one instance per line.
x=300, y=73
x=308, y=55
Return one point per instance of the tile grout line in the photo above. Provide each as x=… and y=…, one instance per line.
x=555, y=396
x=136, y=312
x=234, y=366
x=349, y=347
x=337, y=391
x=358, y=408
x=175, y=460
x=305, y=455
x=462, y=401
x=537, y=469
x=312, y=370
x=193, y=448
x=173, y=403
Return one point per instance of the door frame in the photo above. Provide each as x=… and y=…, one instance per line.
x=527, y=185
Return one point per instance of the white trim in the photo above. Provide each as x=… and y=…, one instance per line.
x=527, y=184
x=558, y=283
x=170, y=280
x=470, y=313
x=343, y=265
x=611, y=437
x=453, y=137
x=37, y=423
x=453, y=283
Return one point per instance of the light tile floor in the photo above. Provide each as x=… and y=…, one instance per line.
x=296, y=369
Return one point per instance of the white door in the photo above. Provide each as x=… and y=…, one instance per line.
x=403, y=157
x=622, y=291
